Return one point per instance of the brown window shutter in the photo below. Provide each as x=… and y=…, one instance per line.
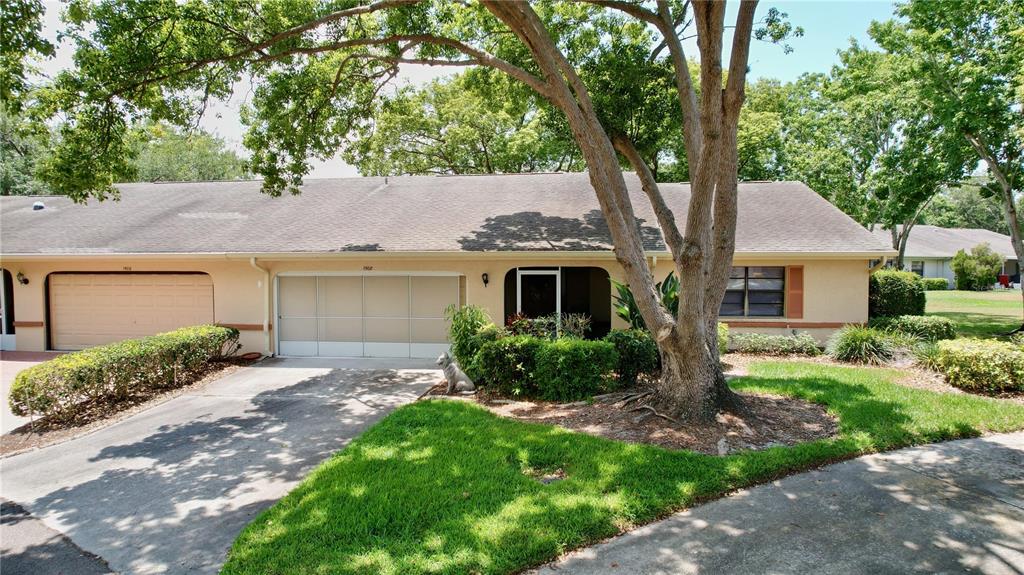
x=795, y=292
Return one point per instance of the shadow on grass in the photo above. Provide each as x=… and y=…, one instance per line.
x=980, y=324
x=440, y=486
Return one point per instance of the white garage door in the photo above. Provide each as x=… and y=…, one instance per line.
x=371, y=316
x=93, y=309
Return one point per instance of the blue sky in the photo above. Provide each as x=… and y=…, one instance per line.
x=828, y=26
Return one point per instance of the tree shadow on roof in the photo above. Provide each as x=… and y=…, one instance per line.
x=533, y=231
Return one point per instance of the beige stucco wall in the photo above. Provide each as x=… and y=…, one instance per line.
x=835, y=291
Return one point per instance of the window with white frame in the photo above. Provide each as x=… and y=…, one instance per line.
x=917, y=267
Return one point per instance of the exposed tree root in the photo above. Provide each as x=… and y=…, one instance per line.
x=655, y=412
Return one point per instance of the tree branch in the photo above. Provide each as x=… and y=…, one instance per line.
x=666, y=219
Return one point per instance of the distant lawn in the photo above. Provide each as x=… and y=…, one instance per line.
x=978, y=314
x=446, y=487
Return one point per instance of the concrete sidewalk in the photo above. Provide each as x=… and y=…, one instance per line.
x=950, y=507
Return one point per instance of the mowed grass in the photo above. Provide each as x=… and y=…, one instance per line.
x=447, y=487
x=978, y=314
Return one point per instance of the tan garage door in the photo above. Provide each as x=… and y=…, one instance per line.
x=93, y=309
x=371, y=316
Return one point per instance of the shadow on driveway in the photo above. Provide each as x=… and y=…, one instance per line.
x=169, y=489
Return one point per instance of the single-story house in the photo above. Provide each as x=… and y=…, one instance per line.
x=930, y=250
x=367, y=266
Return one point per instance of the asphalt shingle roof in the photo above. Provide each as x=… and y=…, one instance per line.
x=935, y=242
x=522, y=212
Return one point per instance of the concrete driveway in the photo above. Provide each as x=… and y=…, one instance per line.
x=954, y=507
x=168, y=490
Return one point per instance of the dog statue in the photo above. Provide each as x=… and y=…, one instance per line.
x=457, y=379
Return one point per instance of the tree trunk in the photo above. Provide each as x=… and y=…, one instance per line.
x=1009, y=204
x=692, y=385
x=708, y=392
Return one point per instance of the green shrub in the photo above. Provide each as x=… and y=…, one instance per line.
x=570, y=369
x=637, y=354
x=487, y=333
x=723, y=338
x=982, y=364
x=976, y=270
x=625, y=304
x=935, y=284
x=892, y=293
x=922, y=327
x=759, y=343
x=464, y=323
x=859, y=344
x=545, y=326
x=508, y=364
x=61, y=387
x=926, y=355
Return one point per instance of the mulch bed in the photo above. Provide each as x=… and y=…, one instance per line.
x=43, y=432
x=766, y=421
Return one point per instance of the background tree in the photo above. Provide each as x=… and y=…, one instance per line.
x=167, y=154
x=863, y=139
x=966, y=57
x=23, y=143
x=977, y=270
x=318, y=67
x=21, y=45
x=460, y=125
x=963, y=206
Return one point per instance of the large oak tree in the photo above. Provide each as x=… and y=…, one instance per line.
x=318, y=66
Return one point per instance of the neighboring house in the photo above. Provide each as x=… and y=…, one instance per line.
x=930, y=249
x=367, y=266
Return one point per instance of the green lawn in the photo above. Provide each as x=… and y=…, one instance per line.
x=978, y=314
x=446, y=487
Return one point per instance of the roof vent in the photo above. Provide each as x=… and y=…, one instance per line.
x=38, y=206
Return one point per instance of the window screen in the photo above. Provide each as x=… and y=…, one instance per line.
x=755, y=292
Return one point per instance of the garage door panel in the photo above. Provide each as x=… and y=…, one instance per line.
x=431, y=295
x=386, y=330
x=429, y=331
x=94, y=309
x=298, y=297
x=340, y=296
x=386, y=296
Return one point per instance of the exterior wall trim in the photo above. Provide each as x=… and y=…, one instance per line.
x=245, y=326
x=20, y=323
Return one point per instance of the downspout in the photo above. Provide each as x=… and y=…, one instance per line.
x=881, y=264
x=266, y=304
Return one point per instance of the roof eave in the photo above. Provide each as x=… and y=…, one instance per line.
x=539, y=254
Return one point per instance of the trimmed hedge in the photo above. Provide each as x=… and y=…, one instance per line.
x=509, y=364
x=637, y=354
x=982, y=364
x=922, y=327
x=892, y=293
x=570, y=369
x=859, y=344
x=759, y=343
x=61, y=387
x=935, y=284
